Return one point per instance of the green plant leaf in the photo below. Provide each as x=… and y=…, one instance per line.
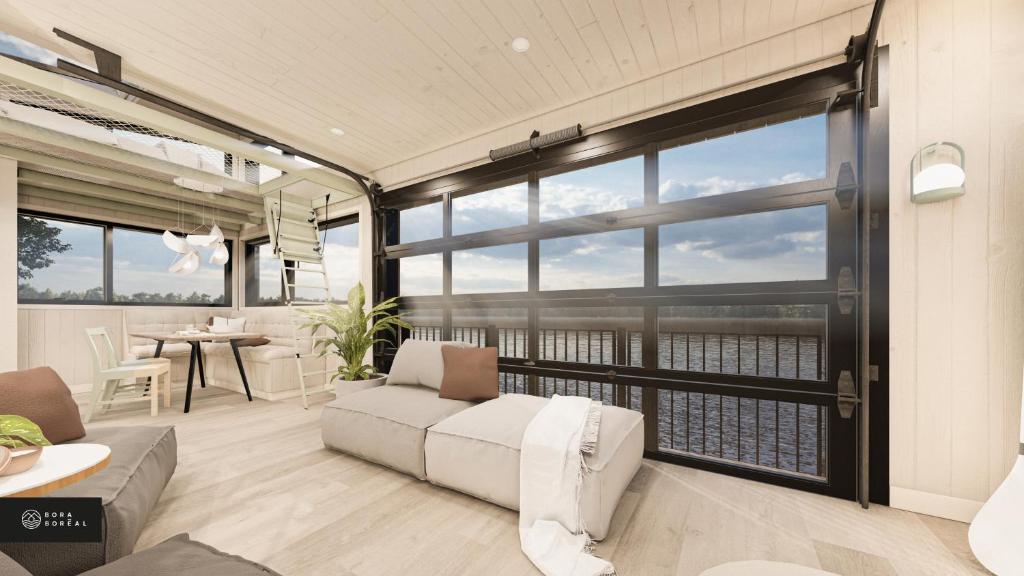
x=13, y=425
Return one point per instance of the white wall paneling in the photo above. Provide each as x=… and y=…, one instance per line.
x=8, y=264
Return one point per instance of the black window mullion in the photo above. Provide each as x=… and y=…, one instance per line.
x=108, y=264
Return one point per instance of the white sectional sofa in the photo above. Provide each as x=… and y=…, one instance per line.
x=270, y=368
x=474, y=448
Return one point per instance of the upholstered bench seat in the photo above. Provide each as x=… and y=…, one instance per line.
x=477, y=452
x=170, y=350
x=387, y=424
x=142, y=460
x=179, y=556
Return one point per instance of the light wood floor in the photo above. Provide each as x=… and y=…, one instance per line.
x=255, y=480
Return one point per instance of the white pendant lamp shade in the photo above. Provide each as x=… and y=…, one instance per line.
x=176, y=243
x=187, y=264
x=220, y=255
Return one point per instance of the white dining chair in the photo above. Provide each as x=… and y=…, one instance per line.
x=116, y=381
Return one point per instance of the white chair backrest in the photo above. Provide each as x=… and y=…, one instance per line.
x=103, y=354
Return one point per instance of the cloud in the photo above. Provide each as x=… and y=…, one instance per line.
x=18, y=47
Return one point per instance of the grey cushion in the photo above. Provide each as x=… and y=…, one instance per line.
x=180, y=556
x=387, y=424
x=477, y=452
x=8, y=567
x=142, y=460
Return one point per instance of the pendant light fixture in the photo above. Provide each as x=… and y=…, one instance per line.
x=188, y=247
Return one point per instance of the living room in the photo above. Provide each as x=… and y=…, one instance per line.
x=704, y=287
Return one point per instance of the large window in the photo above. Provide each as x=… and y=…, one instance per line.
x=141, y=276
x=65, y=261
x=264, y=283
x=693, y=270
x=59, y=261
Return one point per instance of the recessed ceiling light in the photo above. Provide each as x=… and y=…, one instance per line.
x=337, y=131
x=520, y=44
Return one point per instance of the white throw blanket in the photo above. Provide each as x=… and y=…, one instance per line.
x=551, y=470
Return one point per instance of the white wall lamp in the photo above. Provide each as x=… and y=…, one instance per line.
x=937, y=173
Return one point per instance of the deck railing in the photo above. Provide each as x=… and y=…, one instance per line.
x=784, y=436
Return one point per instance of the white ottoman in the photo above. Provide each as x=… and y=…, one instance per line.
x=476, y=451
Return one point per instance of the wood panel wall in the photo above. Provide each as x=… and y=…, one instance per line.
x=957, y=267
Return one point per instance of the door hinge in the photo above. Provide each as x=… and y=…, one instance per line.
x=847, y=289
x=846, y=185
x=846, y=394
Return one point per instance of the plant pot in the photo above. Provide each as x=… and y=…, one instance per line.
x=345, y=387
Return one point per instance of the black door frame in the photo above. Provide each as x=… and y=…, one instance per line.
x=817, y=91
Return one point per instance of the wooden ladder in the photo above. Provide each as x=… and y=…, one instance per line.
x=295, y=237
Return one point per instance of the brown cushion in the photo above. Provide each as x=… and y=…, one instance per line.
x=243, y=342
x=469, y=373
x=41, y=396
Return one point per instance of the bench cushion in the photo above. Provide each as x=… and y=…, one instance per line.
x=170, y=350
x=387, y=424
x=477, y=452
x=142, y=459
x=178, y=556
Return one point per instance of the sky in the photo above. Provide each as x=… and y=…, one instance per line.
x=341, y=254
x=769, y=246
x=18, y=47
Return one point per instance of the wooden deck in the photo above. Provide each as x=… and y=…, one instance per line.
x=255, y=480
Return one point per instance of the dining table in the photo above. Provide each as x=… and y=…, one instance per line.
x=195, y=340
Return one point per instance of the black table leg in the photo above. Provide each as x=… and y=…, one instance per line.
x=159, y=348
x=191, y=373
x=241, y=369
x=199, y=360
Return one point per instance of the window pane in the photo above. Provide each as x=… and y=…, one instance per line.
x=420, y=275
x=605, y=260
x=494, y=269
x=601, y=188
x=470, y=325
x=775, y=246
x=341, y=255
x=499, y=208
x=778, y=154
x=140, y=272
x=786, y=341
x=421, y=223
x=591, y=335
x=59, y=260
x=427, y=323
x=269, y=268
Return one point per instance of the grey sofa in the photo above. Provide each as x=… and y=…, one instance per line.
x=473, y=448
x=142, y=460
x=176, y=556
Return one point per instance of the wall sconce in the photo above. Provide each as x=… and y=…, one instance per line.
x=937, y=173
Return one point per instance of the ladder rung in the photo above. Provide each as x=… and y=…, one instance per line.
x=304, y=270
x=317, y=286
x=298, y=238
x=312, y=257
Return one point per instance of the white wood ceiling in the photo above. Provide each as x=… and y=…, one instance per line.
x=400, y=77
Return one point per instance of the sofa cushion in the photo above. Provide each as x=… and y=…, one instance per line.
x=419, y=362
x=181, y=556
x=170, y=350
x=477, y=452
x=8, y=567
x=142, y=459
x=40, y=395
x=387, y=424
x=469, y=373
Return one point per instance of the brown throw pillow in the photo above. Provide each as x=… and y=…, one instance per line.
x=41, y=396
x=469, y=373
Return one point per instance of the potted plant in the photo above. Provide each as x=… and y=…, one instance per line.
x=352, y=333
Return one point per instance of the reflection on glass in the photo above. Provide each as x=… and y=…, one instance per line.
x=782, y=153
x=140, y=272
x=605, y=260
x=341, y=257
x=421, y=223
x=427, y=323
x=269, y=268
x=421, y=275
x=510, y=324
x=591, y=335
x=493, y=269
x=781, y=245
x=498, y=208
x=612, y=186
x=59, y=261
x=785, y=341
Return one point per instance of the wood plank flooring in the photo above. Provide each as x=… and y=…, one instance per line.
x=254, y=479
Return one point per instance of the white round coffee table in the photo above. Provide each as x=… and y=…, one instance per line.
x=58, y=466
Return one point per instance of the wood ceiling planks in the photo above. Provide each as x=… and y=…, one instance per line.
x=403, y=77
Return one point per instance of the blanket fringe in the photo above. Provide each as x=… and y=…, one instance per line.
x=588, y=444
